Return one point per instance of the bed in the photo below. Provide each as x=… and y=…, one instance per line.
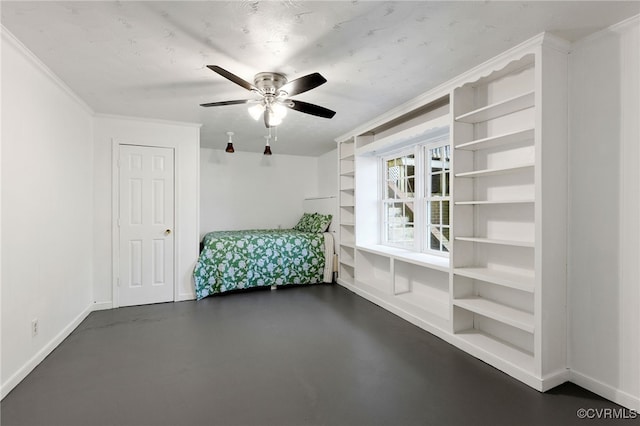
x=235, y=260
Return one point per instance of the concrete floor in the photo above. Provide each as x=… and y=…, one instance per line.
x=308, y=355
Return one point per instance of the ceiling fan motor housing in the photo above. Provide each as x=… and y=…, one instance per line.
x=269, y=82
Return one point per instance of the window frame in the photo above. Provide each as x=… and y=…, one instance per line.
x=428, y=197
x=422, y=196
x=383, y=201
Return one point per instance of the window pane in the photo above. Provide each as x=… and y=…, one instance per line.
x=392, y=189
x=434, y=243
x=411, y=184
x=393, y=212
x=445, y=240
x=434, y=212
x=399, y=224
x=408, y=212
x=436, y=154
x=436, y=184
x=446, y=183
x=438, y=178
x=400, y=179
x=446, y=159
x=445, y=213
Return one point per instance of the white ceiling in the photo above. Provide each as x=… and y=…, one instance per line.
x=147, y=58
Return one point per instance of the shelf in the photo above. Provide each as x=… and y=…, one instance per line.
x=431, y=305
x=490, y=202
x=348, y=173
x=495, y=241
x=347, y=263
x=347, y=189
x=493, y=172
x=506, y=279
x=508, y=106
x=497, y=347
x=504, y=314
x=420, y=259
x=348, y=244
x=498, y=140
x=347, y=224
x=349, y=156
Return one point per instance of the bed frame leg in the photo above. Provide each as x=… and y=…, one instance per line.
x=273, y=287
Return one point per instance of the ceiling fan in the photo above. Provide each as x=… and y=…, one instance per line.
x=274, y=89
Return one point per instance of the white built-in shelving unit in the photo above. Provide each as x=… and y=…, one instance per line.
x=346, y=211
x=501, y=294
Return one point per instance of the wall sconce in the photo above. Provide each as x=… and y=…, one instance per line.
x=229, y=148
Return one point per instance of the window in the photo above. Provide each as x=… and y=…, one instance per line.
x=398, y=200
x=437, y=197
x=415, y=198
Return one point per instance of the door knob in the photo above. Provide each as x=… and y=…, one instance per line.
x=167, y=232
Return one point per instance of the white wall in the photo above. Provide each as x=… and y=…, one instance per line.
x=185, y=138
x=604, y=217
x=247, y=190
x=47, y=231
x=328, y=174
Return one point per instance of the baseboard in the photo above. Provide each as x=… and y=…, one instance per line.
x=185, y=296
x=604, y=390
x=101, y=306
x=28, y=367
x=552, y=380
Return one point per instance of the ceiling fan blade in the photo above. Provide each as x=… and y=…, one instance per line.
x=238, y=102
x=308, y=108
x=230, y=76
x=302, y=84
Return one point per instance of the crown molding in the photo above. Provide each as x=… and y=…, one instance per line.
x=9, y=38
x=148, y=120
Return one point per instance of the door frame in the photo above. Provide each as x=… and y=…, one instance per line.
x=115, y=216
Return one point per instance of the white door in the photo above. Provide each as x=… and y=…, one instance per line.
x=146, y=181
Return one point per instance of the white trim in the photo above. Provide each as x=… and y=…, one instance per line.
x=32, y=363
x=115, y=213
x=148, y=120
x=182, y=297
x=176, y=221
x=29, y=55
x=618, y=28
x=102, y=306
x=609, y=392
x=623, y=26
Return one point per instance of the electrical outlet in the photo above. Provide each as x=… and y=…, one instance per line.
x=34, y=327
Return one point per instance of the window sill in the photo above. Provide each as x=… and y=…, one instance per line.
x=421, y=259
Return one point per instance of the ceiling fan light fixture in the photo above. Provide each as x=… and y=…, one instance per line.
x=279, y=111
x=229, y=147
x=255, y=111
x=275, y=90
x=267, y=147
x=273, y=120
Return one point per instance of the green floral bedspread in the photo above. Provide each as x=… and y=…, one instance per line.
x=233, y=260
